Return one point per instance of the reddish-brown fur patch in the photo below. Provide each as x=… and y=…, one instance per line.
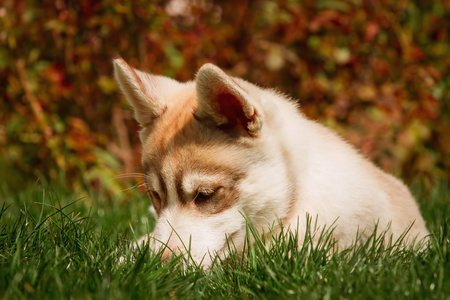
x=176, y=117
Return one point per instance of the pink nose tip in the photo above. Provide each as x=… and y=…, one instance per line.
x=166, y=254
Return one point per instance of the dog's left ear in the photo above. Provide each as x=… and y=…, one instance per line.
x=229, y=105
x=145, y=92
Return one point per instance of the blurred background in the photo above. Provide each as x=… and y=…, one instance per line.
x=377, y=72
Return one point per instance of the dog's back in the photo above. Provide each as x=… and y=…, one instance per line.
x=335, y=182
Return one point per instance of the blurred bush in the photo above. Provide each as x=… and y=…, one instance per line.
x=378, y=72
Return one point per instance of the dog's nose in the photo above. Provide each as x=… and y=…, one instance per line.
x=167, y=253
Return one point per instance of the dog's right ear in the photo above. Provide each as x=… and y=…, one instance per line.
x=142, y=90
x=225, y=102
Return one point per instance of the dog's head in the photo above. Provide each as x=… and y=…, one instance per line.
x=208, y=158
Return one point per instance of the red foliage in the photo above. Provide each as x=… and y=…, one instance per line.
x=377, y=72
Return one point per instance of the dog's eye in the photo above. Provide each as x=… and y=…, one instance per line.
x=154, y=195
x=203, y=196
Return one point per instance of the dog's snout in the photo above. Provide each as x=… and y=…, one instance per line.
x=168, y=252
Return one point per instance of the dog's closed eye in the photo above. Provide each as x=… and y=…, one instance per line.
x=203, y=196
x=156, y=199
x=154, y=195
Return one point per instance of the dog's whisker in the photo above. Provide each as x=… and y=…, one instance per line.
x=134, y=187
x=129, y=176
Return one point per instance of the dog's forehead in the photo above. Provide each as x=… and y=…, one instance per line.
x=183, y=141
x=177, y=117
x=195, y=158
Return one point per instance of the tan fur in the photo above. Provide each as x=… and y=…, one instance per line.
x=176, y=119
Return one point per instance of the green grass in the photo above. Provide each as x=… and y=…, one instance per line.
x=56, y=245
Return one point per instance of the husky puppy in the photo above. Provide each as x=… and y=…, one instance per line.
x=218, y=148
